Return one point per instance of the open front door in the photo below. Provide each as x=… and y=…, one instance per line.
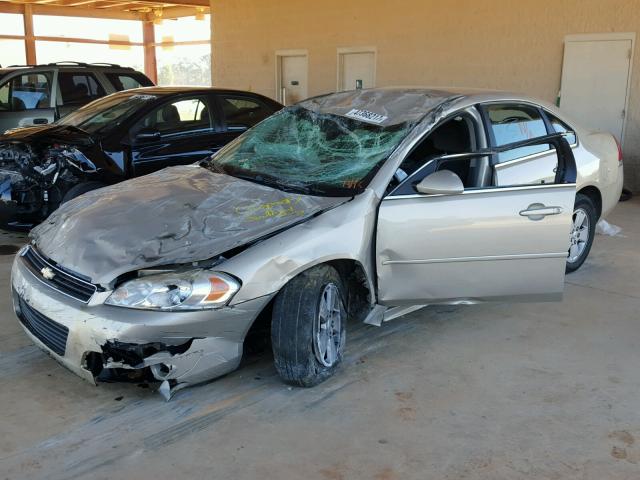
x=483, y=244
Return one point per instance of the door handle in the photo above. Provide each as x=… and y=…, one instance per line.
x=538, y=211
x=40, y=121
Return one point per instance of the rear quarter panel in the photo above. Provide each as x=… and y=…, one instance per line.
x=598, y=166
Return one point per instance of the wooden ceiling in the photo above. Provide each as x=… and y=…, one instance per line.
x=129, y=6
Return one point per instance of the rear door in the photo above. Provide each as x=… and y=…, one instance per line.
x=490, y=243
x=26, y=99
x=77, y=88
x=512, y=122
x=177, y=132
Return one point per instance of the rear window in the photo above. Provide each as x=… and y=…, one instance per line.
x=560, y=127
x=26, y=92
x=514, y=123
x=79, y=87
x=127, y=81
x=242, y=113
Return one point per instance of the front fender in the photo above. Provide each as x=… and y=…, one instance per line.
x=343, y=233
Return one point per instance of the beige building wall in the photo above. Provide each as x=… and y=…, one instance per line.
x=512, y=45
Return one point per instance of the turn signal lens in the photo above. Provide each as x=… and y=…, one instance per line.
x=219, y=289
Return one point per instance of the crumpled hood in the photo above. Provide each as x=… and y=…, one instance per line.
x=48, y=134
x=177, y=215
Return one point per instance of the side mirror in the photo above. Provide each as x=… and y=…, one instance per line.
x=148, y=135
x=442, y=182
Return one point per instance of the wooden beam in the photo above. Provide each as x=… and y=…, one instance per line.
x=29, y=40
x=113, y=5
x=84, y=12
x=43, y=38
x=75, y=3
x=177, y=12
x=149, y=39
x=6, y=7
x=120, y=13
x=184, y=3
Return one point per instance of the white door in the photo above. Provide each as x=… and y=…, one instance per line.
x=356, y=70
x=292, y=79
x=595, y=80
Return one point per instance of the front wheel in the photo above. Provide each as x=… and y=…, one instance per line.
x=80, y=189
x=308, y=326
x=583, y=229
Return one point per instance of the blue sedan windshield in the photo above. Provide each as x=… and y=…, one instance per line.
x=106, y=113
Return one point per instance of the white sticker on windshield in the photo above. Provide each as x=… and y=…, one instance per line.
x=366, y=116
x=144, y=97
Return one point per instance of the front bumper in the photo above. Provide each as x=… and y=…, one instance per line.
x=176, y=348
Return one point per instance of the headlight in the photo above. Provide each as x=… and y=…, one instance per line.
x=193, y=290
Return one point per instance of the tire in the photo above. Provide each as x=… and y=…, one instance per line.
x=305, y=351
x=583, y=229
x=81, y=188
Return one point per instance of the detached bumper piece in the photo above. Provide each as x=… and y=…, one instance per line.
x=50, y=333
x=56, y=277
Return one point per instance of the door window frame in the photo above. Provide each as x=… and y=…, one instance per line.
x=405, y=187
x=61, y=102
x=566, y=172
x=482, y=108
x=51, y=79
x=210, y=104
x=222, y=118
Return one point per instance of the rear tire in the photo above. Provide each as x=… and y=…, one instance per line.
x=308, y=326
x=81, y=188
x=583, y=229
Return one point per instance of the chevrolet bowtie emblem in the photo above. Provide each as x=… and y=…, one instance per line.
x=47, y=273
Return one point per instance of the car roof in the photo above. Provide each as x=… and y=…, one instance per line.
x=108, y=67
x=174, y=90
x=396, y=105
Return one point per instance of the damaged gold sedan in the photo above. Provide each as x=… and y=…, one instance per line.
x=357, y=205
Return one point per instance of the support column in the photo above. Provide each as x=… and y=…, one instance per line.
x=29, y=40
x=149, y=40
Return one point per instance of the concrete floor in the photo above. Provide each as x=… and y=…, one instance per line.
x=494, y=391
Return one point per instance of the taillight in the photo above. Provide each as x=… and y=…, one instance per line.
x=619, y=150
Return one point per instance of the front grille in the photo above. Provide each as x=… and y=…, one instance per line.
x=59, y=278
x=52, y=334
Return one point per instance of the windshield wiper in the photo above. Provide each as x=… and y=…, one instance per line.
x=322, y=190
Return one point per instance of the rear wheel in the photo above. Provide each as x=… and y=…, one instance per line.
x=583, y=228
x=308, y=327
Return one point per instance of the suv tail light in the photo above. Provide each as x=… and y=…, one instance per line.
x=619, y=150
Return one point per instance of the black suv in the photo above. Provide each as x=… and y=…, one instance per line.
x=123, y=135
x=40, y=94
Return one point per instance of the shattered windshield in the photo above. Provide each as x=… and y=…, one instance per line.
x=302, y=151
x=106, y=113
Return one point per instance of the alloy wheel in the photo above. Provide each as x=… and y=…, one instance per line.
x=327, y=327
x=579, y=235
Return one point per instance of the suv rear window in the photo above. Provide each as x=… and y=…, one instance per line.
x=79, y=87
x=127, y=81
x=26, y=92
